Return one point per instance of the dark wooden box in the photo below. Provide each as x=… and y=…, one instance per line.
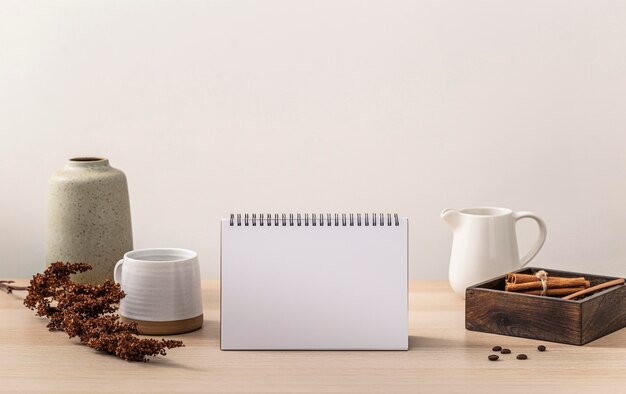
x=488, y=308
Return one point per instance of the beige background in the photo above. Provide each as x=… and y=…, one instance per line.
x=213, y=107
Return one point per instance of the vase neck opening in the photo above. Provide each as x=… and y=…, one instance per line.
x=87, y=162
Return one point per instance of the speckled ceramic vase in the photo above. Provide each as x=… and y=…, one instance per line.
x=88, y=217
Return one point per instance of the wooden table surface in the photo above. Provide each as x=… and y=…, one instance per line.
x=443, y=357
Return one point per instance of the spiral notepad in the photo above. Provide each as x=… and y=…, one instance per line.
x=314, y=281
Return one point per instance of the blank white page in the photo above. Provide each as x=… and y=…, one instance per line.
x=314, y=287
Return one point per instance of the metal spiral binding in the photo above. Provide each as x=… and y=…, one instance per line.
x=321, y=220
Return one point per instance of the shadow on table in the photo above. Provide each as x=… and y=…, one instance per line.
x=169, y=363
x=16, y=294
x=210, y=331
x=416, y=343
x=616, y=339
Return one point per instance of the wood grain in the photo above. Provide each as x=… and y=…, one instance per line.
x=603, y=313
x=443, y=358
x=523, y=316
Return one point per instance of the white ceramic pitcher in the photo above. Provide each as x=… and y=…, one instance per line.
x=485, y=244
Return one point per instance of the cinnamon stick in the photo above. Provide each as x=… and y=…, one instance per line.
x=553, y=282
x=561, y=291
x=595, y=288
x=521, y=278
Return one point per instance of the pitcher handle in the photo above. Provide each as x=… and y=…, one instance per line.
x=542, y=234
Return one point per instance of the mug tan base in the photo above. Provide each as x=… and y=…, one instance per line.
x=166, y=327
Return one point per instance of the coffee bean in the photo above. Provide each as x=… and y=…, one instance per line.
x=505, y=351
x=493, y=357
x=522, y=357
x=541, y=348
x=496, y=348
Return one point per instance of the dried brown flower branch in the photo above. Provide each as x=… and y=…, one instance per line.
x=86, y=311
x=6, y=284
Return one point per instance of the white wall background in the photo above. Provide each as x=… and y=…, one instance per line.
x=213, y=107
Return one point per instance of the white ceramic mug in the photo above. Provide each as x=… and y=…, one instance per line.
x=161, y=286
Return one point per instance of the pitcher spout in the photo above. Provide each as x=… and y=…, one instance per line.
x=451, y=216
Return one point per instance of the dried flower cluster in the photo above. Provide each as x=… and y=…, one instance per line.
x=86, y=311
